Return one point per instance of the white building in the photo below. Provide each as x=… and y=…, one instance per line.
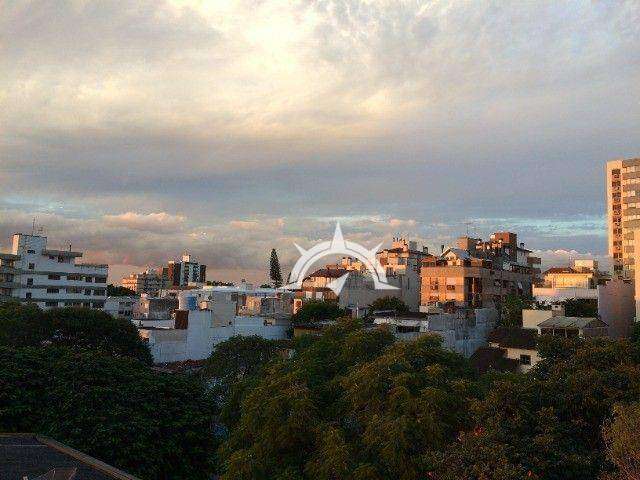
x=463, y=332
x=208, y=316
x=120, y=307
x=52, y=278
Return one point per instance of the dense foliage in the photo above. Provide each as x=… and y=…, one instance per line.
x=581, y=307
x=74, y=327
x=547, y=424
x=151, y=424
x=512, y=307
x=388, y=303
x=623, y=441
x=316, y=311
x=350, y=404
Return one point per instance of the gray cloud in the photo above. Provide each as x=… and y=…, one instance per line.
x=227, y=117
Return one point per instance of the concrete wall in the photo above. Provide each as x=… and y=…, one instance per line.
x=532, y=318
x=616, y=307
x=544, y=294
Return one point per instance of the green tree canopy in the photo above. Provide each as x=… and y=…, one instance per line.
x=623, y=442
x=154, y=425
x=27, y=325
x=238, y=358
x=547, y=424
x=274, y=269
x=316, y=311
x=351, y=403
x=389, y=303
x=512, y=307
x=581, y=307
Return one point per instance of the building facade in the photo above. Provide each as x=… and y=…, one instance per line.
x=623, y=213
x=51, y=278
x=476, y=273
x=150, y=282
x=184, y=272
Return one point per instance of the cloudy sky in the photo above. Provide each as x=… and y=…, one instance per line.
x=136, y=130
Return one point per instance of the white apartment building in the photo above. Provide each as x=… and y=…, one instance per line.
x=463, y=332
x=120, y=307
x=208, y=316
x=50, y=278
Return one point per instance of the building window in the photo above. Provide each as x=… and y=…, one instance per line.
x=54, y=277
x=27, y=295
x=525, y=359
x=32, y=266
x=53, y=290
x=51, y=304
x=31, y=251
x=101, y=279
x=29, y=281
x=87, y=291
x=51, y=257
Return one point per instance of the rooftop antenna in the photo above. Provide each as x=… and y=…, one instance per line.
x=468, y=223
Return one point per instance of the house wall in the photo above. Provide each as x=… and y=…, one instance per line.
x=616, y=307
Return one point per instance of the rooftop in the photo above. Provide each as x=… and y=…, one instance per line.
x=328, y=273
x=525, y=338
x=572, y=322
x=25, y=455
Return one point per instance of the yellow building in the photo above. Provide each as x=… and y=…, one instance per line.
x=568, y=277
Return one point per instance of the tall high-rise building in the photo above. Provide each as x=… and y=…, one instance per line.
x=187, y=271
x=623, y=214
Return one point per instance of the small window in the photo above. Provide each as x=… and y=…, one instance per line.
x=31, y=251
x=51, y=257
x=54, y=277
x=29, y=281
x=27, y=295
x=525, y=359
x=32, y=266
x=51, y=304
x=53, y=290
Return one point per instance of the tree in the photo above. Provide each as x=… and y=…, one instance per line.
x=316, y=311
x=512, y=309
x=118, y=291
x=581, y=307
x=151, y=424
x=623, y=442
x=351, y=403
x=74, y=327
x=548, y=422
x=238, y=358
x=274, y=269
x=388, y=303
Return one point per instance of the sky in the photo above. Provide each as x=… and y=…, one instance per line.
x=137, y=130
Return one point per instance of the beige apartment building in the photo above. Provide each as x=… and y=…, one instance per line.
x=476, y=273
x=149, y=282
x=623, y=213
